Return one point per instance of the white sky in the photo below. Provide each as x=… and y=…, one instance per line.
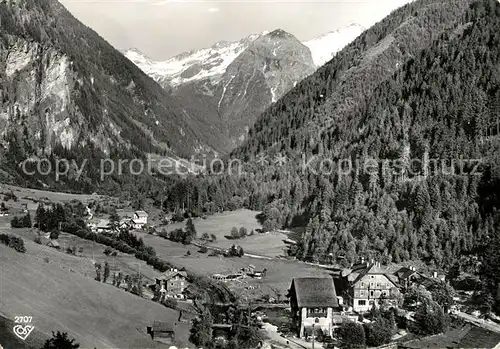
x=163, y=28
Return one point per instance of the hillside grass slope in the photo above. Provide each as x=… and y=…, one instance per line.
x=95, y=314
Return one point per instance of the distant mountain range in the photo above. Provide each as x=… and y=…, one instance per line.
x=212, y=62
x=225, y=87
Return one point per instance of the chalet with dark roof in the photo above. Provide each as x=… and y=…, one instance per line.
x=314, y=304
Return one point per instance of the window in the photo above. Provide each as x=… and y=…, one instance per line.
x=384, y=293
x=362, y=284
x=388, y=285
x=316, y=312
x=378, y=285
x=371, y=284
x=371, y=303
x=361, y=293
x=361, y=302
x=371, y=276
x=371, y=293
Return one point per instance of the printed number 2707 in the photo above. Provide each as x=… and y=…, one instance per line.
x=22, y=319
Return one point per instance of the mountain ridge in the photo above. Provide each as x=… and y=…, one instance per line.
x=160, y=71
x=226, y=86
x=66, y=92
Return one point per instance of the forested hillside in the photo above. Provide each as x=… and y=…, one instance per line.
x=66, y=92
x=419, y=90
x=440, y=104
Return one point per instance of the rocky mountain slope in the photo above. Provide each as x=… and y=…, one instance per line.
x=64, y=89
x=225, y=87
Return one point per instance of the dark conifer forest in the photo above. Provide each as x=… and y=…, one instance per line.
x=424, y=84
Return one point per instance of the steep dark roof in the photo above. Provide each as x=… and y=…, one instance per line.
x=170, y=274
x=405, y=273
x=163, y=327
x=315, y=292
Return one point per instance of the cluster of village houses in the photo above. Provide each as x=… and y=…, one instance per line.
x=128, y=220
x=324, y=302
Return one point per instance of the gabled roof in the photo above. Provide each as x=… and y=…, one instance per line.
x=125, y=214
x=53, y=243
x=371, y=270
x=141, y=214
x=170, y=274
x=103, y=224
x=163, y=327
x=405, y=273
x=315, y=292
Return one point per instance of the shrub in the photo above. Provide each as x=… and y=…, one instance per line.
x=21, y=222
x=243, y=232
x=205, y=237
x=203, y=249
x=235, y=234
x=38, y=240
x=170, y=303
x=14, y=242
x=351, y=335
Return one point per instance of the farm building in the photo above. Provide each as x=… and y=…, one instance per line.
x=103, y=226
x=162, y=332
x=54, y=244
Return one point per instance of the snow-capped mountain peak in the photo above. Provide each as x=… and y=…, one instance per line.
x=137, y=57
x=212, y=62
x=325, y=46
x=206, y=63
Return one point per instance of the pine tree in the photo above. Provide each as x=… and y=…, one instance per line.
x=114, y=220
x=106, y=272
x=190, y=229
x=60, y=340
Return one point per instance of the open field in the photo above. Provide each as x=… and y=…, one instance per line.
x=47, y=195
x=269, y=244
x=92, y=251
x=60, y=298
x=279, y=271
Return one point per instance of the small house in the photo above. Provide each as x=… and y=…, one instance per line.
x=162, y=332
x=103, y=226
x=173, y=283
x=54, y=244
x=126, y=224
x=140, y=219
x=407, y=276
